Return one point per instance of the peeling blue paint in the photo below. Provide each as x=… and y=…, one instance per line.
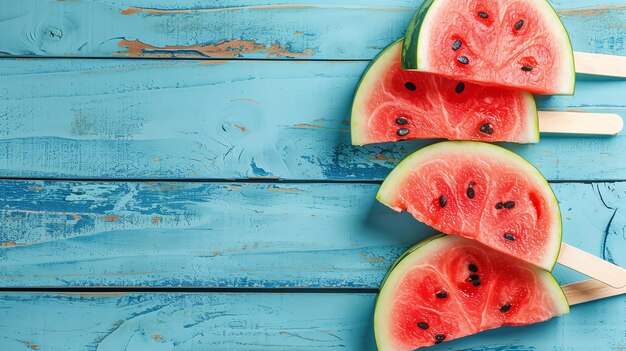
x=258, y=171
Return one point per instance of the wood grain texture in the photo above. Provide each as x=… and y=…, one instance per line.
x=148, y=119
x=264, y=322
x=69, y=234
x=589, y=290
x=592, y=266
x=285, y=29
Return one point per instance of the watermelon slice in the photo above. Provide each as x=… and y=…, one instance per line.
x=515, y=43
x=392, y=104
x=482, y=192
x=448, y=287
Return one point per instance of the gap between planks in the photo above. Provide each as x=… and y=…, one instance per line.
x=579, y=292
x=177, y=59
x=253, y=180
x=155, y=290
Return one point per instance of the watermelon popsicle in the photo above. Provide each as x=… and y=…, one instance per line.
x=448, y=287
x=392, y=104
x=489, y=194
x=519, y=44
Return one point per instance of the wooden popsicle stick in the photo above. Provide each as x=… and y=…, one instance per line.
x=589, y=290
x=592, y=266
x=580, y=123
x=600, y=65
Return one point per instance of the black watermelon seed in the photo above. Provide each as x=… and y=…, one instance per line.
x=459, y=88
x=526, y=68
x=401, y=121
x=410, y=86
x=483, y=14
x=472, y=267
x=509, y=204
x=422, y=325
x=470, y=192
x=402, y=131
x=509, y=236
x=505, y=308
x=519, y=24
x=475, y=279
x=462, y=59
x=499, y=206
x=457, y=44
x=442, y=201
x=486, y=128
x=442, y=294
x=440, y=337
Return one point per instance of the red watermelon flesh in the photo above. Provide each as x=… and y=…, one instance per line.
x=392, y=104
x=449, y=287
x=482, y=192
x=519, y=44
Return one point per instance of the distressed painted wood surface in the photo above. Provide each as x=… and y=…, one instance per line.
x=239, y=119
x=323, y=29
x=239, y=235
x=138, y=119
x=58, y=322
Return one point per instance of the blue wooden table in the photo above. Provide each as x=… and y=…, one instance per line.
x=177, y=175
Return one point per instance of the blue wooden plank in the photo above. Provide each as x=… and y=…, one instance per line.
x=239, y=235
x=138, y=119
x=346, y=29
x=237, y=322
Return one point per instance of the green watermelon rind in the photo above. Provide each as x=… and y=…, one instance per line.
x=388, y=196
x=359, y=131
x=410, y=251
x=406, y=261
x=410, y=45
x=411, y=49
x=390, y=278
